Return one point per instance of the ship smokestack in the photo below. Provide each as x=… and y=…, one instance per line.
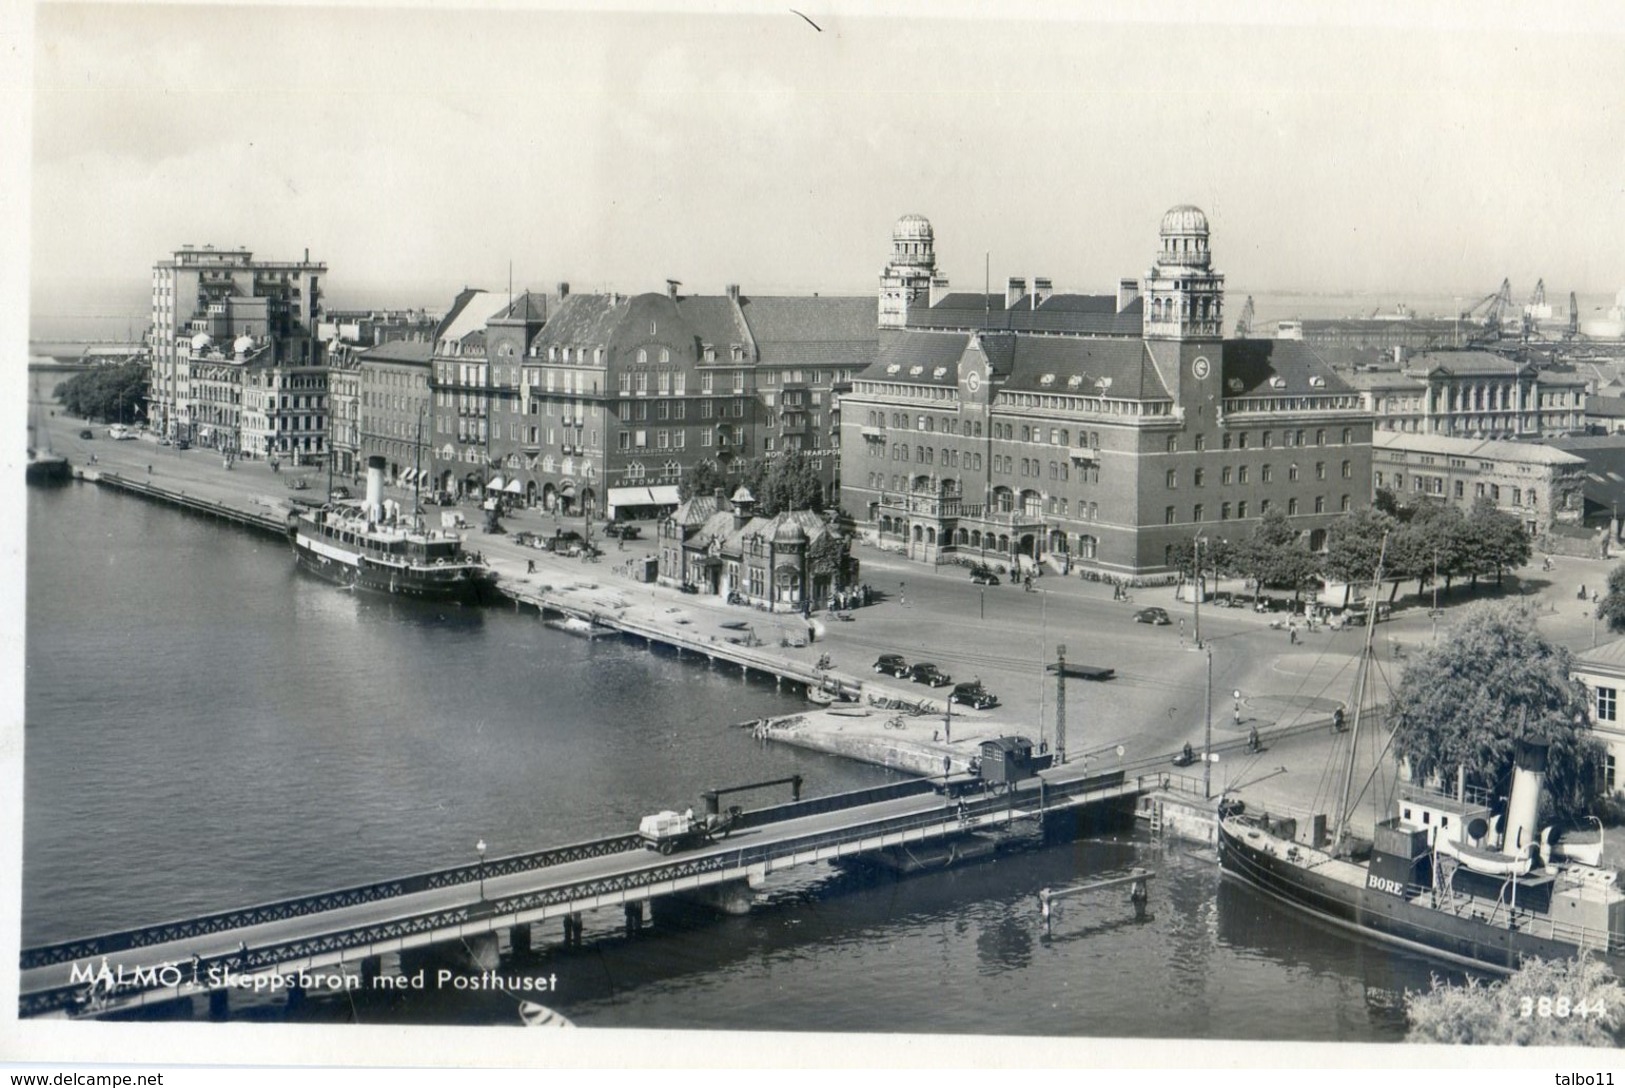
x=1523, y=808
x=374, y=507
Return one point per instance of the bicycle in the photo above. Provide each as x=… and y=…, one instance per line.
x=896, y=723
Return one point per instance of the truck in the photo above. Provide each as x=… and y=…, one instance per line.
x=669, y=831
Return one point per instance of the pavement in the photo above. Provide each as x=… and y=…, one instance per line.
x=1001, y=635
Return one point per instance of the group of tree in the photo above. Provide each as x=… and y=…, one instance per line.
x=112, y=393
x=1576, y=1002
x=1611, y=609
x=1429, y=541
x=1465, y=702
x=785, y=481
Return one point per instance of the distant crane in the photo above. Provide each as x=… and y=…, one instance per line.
x=1486, y=315
x=1536, y=311
x=1244, y=323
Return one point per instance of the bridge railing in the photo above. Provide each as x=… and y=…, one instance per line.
x=165, y=932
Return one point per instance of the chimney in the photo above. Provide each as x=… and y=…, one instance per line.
x=1523, y=807
x=733, y=292
x=1014, y=289
x=671, y=289
x=564, y=290
x=374, y=506
x=1042, y=289
x=1127, y=291
x=939, y=289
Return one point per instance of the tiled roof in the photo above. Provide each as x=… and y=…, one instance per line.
x=1082, y=315
x=581, y=320
x=1115, y=368
x=529, y=306
x=816, y=331
x=715, y=320
x=1610, y=655
x=1605, y=407
x=469, y=314
x=1485, y=449
x=1382, y=379
x=1463, y=364
x=1251, y=367
x=923, y=358
x=699, y=509
x=398, y=351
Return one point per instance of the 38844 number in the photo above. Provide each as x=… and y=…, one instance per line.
x=1560, y=1007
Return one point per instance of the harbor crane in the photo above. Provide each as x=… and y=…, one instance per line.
x=1244, y=323
x=1486, y=314
x=1536, y=311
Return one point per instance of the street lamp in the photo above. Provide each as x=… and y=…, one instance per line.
x=480, y=848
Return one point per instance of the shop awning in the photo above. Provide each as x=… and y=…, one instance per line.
x=515, y=488
x=495, y=484
x=664, y=495
x=407, y=476
x=567, y=488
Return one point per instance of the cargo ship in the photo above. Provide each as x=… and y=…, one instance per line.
x=1446, y=874
x=371, y=545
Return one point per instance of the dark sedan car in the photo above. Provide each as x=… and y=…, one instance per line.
x=983, y=577
x=972, y=694
x=891, y=665
x=927, y=673
x=1158, y=616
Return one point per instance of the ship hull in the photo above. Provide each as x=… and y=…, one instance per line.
x=1409, y=923
x=455, y=583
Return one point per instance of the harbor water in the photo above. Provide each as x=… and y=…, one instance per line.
x=208, y=728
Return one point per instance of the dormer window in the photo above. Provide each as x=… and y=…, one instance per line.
x=1277, y=382
x=915, y=371
x=1317, y=381
x=939, y=372
x=1075, y=381
x=1047, y=380
x=893, y=368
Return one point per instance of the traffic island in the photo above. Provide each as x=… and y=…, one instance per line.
x=925, y=745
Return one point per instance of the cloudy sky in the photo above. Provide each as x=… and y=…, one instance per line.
x=419, y=150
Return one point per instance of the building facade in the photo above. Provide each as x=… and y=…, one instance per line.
x=1474, y=394
x=395, y=406
x=1542, y=486
x=719, y=546
x=1096, y=430
x=344, y=408
x=223, y=295
x=1602, y=670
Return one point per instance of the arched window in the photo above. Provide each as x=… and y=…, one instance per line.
x=643, y=355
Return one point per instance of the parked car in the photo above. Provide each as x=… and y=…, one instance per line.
x=180, y=443
x=891, y=665
x=1157, y=616
x=982, y=576
x=926, y=673
x=622, y=530
x=87, y=433
x=972, y=694
x=567, y=542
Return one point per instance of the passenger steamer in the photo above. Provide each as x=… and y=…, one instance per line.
x=1444, y=875
x=352, y=544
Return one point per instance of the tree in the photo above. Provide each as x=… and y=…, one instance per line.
x=790, y=483
x=1574, y=1002
x=1434, y=542
x=1273, y=555
x=1466, y=702
x=703, y=479
x=1353, y=545
x=1612, y=608
x=113, y=393
x=1498, y=538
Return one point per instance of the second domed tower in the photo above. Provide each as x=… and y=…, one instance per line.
x=1184, y=297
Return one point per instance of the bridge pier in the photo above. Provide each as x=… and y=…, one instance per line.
x=219, y=1004
x=483, y=951
x=296, y=998
x=572, y=930
x=634, y=918
x=519, y=939
x=733, y=897
x=372, y=968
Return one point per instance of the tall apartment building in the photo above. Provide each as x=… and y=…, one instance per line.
x=1101, y=430
x=236, y=362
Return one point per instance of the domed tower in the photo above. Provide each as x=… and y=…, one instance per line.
x=912, y=271
x=1184, y=297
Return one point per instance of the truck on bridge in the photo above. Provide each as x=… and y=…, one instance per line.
x=668, y=831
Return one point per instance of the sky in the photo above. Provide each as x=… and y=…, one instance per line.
x=419, y=150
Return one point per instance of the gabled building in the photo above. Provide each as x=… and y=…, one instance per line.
x=1096, y=430
x=720, y=547
x=1475, y=394
x=1602, y=670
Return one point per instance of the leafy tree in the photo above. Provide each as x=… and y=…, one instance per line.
x=828, y=554
x=1612, y=607
x=1354, y=544
x=1218, y=557
x=113, y=393
x=1466, y=701
x=1434, y=542
x=1387, y=502
x=703, y=479
x=1496, y=1014
x=1499, y=541
x=790, y=483
x=1274, y=555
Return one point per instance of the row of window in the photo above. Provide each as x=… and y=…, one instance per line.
x=1434, y=485
x=1239, y=475
x=1199, y=511
x=1239, y=439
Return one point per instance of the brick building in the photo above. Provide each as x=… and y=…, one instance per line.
x=1101, y=430
x=1474, y=394
x=1543, y=486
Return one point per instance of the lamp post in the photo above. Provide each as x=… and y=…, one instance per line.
x=1207, y=745
x=1196, y=587
x=480, y=848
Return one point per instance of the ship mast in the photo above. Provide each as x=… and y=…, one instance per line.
x=1340, y=828
x=417, y=473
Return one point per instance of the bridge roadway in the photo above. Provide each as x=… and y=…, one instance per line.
x=447, y=907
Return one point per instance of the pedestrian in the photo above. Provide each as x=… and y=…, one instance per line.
x=530, y=566
x=1292, y=633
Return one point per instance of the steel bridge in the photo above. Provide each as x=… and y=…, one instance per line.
x=211, y=954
